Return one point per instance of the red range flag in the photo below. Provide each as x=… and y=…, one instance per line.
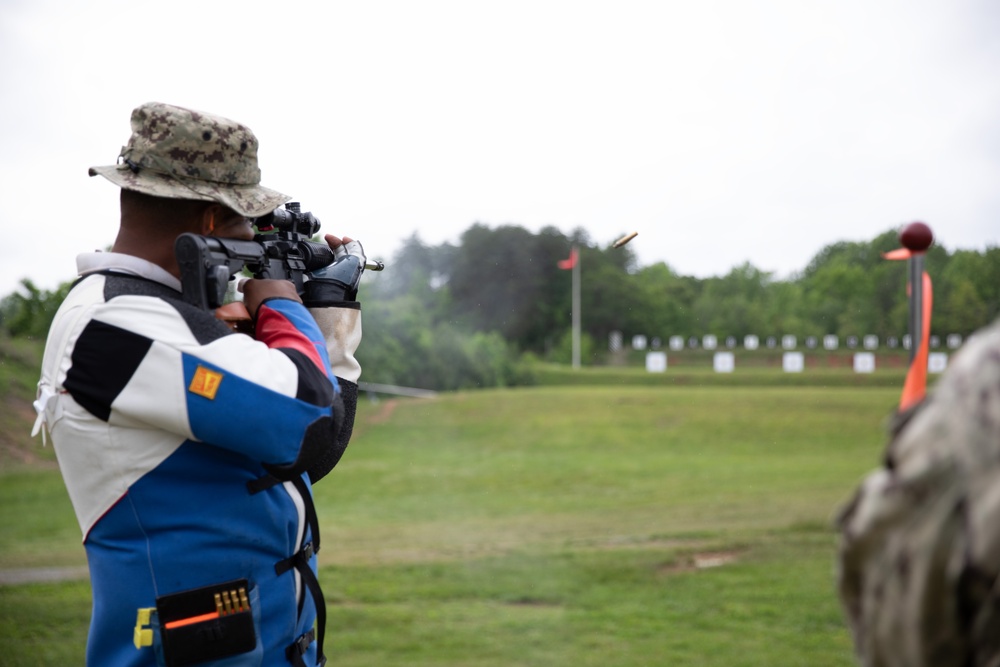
x=570, y=262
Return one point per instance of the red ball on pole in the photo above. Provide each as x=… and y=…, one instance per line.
x=916, y=237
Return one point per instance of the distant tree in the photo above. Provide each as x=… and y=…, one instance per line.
x=552, y=309
x=29, y=311
x=988, y=284
x=736, y=304
x=416, y=269
x=665, y=302
x=849, y=288
x=966, y=292
x=610, y=297
x=414, y=338
x=496, y=280
x=962, y=311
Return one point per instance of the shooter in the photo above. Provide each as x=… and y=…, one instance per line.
x=189, y=451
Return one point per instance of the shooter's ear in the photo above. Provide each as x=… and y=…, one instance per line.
x=209, y=216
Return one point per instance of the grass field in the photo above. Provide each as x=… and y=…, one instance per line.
x=578, y=525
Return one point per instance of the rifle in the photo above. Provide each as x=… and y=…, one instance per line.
x=280, y=250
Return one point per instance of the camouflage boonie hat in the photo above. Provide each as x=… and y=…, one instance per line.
x=185, y=154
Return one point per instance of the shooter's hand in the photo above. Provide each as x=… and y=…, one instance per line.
x=337, y=241
x=346, y=246
x=256, y=291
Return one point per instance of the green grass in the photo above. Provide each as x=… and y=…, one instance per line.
x=550, y=463
x=44, y=624
x=546, y=526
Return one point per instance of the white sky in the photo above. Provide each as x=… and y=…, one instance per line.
x=722, y=131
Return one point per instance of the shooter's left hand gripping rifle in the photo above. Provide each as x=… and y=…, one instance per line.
x=207, y=263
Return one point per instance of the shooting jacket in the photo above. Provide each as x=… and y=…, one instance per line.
x=164, y=423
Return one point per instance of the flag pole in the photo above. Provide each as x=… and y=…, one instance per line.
x=916, y=302
x=576, y=309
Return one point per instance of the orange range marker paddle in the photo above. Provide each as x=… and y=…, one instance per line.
x=916, y=238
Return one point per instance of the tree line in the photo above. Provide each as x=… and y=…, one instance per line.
x=505, y=281
x=477, y=312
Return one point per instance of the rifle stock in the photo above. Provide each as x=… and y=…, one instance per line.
x=207, y=263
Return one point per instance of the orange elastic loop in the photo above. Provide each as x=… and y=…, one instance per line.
x=915, y=386
x=179, y=623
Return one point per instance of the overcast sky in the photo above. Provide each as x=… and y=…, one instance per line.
x=722, y=132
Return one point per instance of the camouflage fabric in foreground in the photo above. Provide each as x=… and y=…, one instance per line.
x=919, y=554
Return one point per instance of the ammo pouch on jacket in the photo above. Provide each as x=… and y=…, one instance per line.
x=208, y=623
